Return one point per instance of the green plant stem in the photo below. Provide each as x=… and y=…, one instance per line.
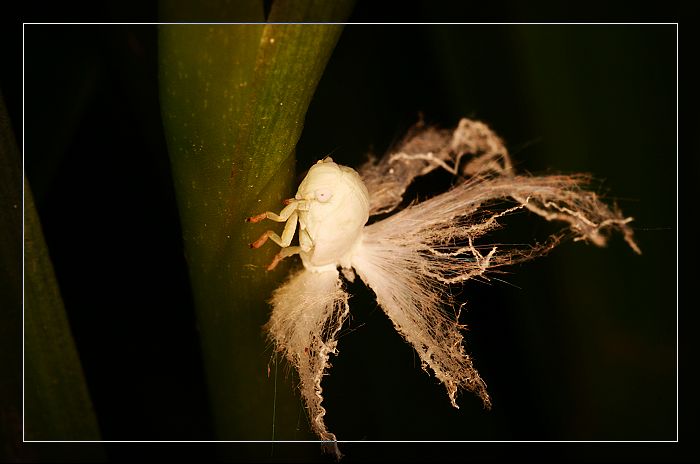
x=233, y=101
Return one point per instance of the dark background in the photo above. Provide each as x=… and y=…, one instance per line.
x=579, y=345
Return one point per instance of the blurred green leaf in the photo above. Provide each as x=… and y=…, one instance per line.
x=57, y=403
x=234, y=99
x=10, y=292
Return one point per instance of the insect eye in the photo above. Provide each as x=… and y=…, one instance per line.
x=323, y=195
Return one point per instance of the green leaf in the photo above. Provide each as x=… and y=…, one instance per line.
x=57, y=403
x=233, y=100
x=56, y=400
x=10, y=292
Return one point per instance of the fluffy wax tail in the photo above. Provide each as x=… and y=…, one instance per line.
x=307, y=314
x=472, y=149
x=410, y=259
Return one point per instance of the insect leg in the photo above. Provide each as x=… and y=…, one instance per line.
x=281, y=217
x=305, y=239
x=284, y=253
x=287, y=234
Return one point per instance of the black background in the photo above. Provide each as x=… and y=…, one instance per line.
x=577, y=346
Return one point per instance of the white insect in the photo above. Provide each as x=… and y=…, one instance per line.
x=331, y=207
x=410, y=258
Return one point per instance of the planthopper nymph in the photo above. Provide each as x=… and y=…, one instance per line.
x=411, y=257
x=331, y=208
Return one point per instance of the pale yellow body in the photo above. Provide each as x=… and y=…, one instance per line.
x=331, y=207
